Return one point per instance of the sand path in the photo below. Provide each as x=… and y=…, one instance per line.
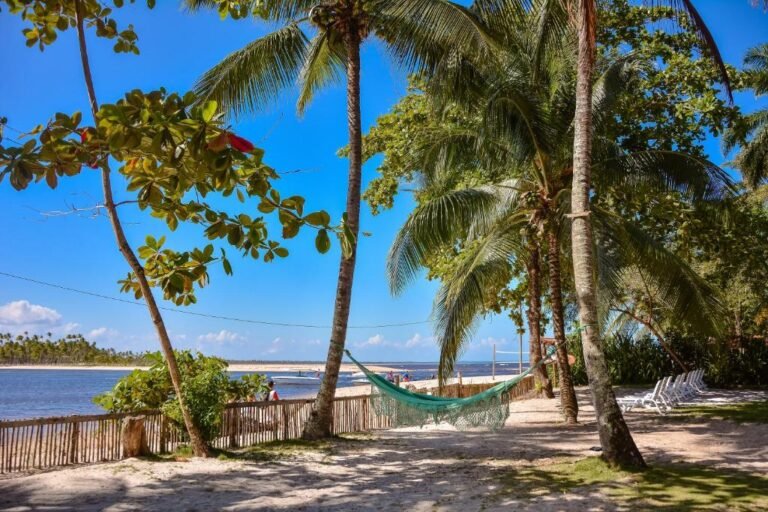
x=429, y=469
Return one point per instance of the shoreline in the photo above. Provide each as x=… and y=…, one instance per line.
x=234, y=367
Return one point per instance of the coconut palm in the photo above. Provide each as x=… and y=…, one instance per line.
x=522, y=110
x=615, y=438
x=318, y=44
x=752, y=133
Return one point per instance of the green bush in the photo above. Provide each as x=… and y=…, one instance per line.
x=643, y=360
x=206, y=388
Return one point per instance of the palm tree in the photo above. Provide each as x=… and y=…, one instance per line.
x=416, y=33
x=752, y=133
x=615, y=438
x=518, y=123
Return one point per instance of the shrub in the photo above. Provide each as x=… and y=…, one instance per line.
x=206, y=388
x=643, y=360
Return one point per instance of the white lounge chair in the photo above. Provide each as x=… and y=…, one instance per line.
x=697, y=381
x=664, y=393
x=649, y=400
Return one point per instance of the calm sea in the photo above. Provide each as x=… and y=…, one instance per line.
x=39, y=393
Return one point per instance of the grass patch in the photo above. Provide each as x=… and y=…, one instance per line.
x=270, y=451
x=669, y=487
x=748, y=412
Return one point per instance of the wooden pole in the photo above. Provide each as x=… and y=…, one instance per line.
x=520, y=355
x=493, y=370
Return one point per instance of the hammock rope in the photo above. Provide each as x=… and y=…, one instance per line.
x=489, y=408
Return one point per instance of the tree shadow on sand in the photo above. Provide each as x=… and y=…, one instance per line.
x=679, y=487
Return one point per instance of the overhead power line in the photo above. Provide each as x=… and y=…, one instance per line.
x=204, y=315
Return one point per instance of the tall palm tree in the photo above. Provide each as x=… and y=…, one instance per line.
x=318, y=44
x=752, y=134
x=615, y=438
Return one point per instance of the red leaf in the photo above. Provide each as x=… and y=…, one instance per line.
x=240, y=143
x=84, y=135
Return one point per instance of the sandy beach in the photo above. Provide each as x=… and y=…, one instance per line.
x=234, y=367
x=434, y=468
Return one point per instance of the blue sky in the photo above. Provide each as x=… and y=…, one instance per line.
x=78, y=250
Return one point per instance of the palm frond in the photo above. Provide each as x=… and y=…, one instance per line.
x=324, y=65
x=616, y=80
x=254, y=76
x=752, y=160
x=432, y=226
x=756, y=68
x=461, y=300
x=665, y=171
x=418, y=33
x=688, y=298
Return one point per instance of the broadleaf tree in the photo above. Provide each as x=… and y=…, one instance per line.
x=169, y=147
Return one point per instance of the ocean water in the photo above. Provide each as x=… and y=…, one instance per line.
x=52, y=392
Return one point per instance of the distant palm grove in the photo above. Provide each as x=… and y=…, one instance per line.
x=71, y=349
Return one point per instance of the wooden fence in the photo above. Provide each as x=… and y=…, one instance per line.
x=50, y=442
x=457, y=390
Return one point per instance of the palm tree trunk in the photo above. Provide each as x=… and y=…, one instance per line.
x=568, y=400
x=543, y=384
x=199, y=447
x=618, y=446
x=320, y=422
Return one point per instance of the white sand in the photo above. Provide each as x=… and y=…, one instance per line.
x=414, y=470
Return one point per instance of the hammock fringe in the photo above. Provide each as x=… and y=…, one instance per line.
x=404, y=408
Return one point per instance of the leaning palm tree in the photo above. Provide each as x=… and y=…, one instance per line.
x=752, y=133
x=318, y=44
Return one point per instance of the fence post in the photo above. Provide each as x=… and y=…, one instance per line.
x=285, y=421
x=73, y=442
x=163, y=433
x=233, y=423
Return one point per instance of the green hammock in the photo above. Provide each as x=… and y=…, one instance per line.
x=489, y=408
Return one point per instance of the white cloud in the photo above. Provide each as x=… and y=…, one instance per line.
x=490, y=341
x=274, y=347
x=417, y=340
x=223, y=336
x=70, y=327
x=22, y=312
x=102, y=333
x=375, y=340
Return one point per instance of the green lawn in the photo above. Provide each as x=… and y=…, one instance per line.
x=676, y=487
x=748, y=412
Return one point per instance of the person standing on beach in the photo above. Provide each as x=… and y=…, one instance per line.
x=272, y=394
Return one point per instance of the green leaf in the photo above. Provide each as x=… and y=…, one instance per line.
x=227, y=266
x=209, y=109
x=322, y=242
x=290, y=229
x=320, y=218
